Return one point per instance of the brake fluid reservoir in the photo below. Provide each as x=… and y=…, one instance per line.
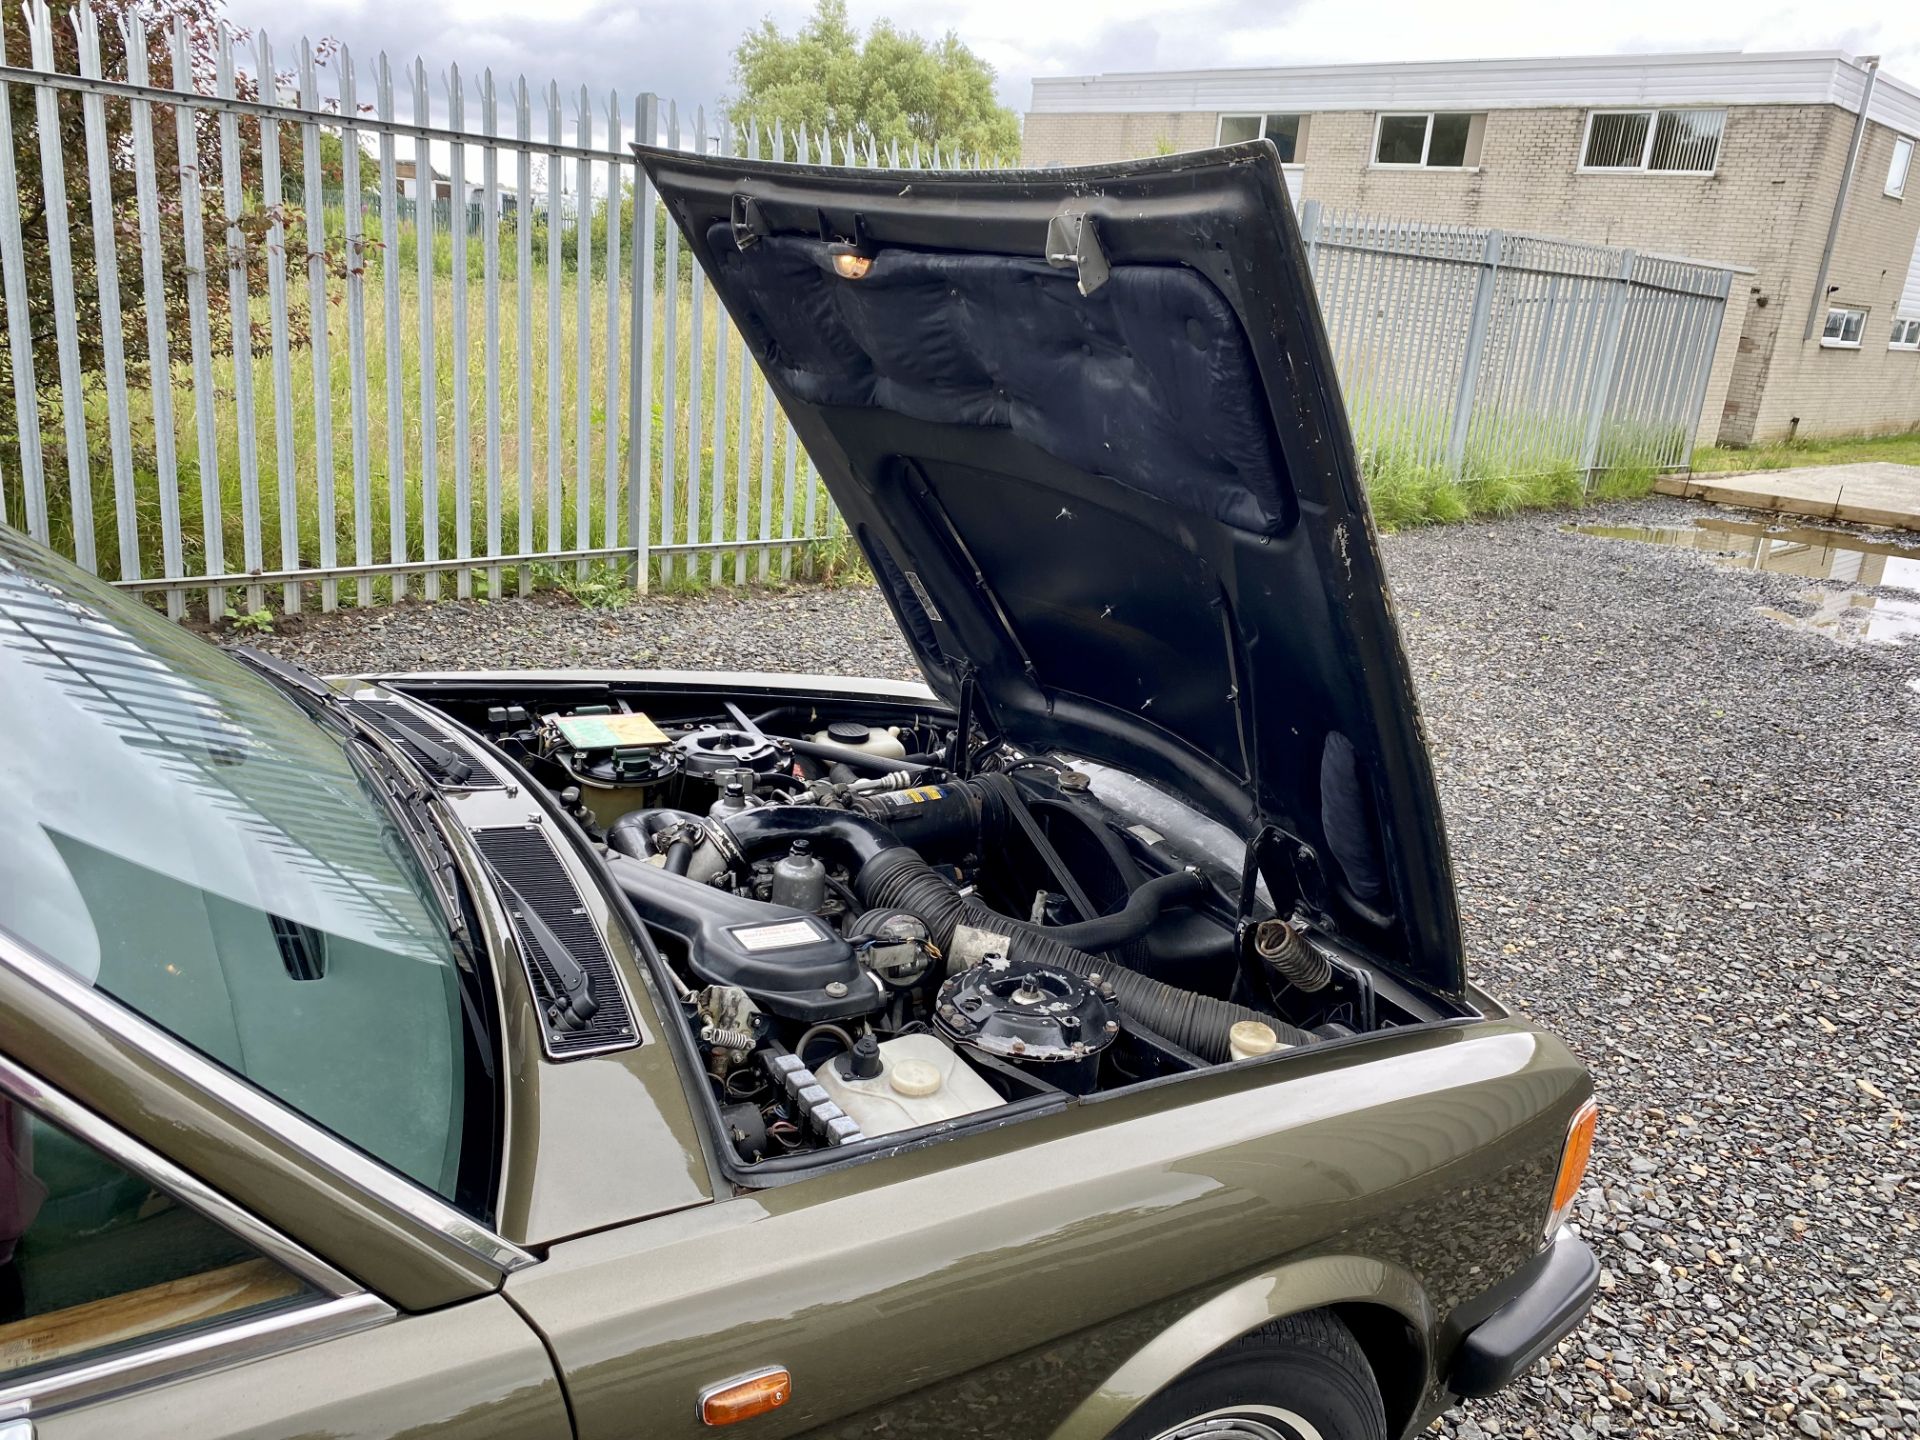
x=922, y=1080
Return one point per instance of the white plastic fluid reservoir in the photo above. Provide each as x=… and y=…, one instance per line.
x=922, y=1079
x=852, y=735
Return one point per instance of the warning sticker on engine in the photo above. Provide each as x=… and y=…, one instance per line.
x=914, y=796
x=781, y=935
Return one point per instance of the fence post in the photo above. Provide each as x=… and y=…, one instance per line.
x=1310, y=231
x=646, y=130
x=1725, y=290
x=1612, y=325
x=1476, y=342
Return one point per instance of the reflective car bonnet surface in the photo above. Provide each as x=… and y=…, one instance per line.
x=1084, y=425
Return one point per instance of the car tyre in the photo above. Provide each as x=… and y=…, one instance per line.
x=1301, y=1378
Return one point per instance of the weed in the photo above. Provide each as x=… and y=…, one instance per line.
x=254, y=622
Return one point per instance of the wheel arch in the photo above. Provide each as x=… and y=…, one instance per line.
x=1382, y=1304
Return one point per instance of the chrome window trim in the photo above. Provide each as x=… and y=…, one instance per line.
x=189, y=1355
x=149, y=1165
x=346, y=1307
x=391, y=1190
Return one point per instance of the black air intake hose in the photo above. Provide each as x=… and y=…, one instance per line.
x=1132, y=920
x=899, y=879
x=852, y=839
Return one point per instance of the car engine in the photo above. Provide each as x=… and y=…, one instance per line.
x=875, y=925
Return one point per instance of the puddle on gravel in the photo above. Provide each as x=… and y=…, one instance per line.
x=1812, y=554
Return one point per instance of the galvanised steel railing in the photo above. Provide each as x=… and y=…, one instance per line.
x=378, y=352
x=1493, y=353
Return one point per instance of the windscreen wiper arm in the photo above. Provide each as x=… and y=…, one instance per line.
x=435, y=756
x=570, y=998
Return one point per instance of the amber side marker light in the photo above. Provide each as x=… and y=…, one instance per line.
x=746, y=1397
x=1573, y=1163
x=851, y=266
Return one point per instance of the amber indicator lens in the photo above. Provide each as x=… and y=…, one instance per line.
x=1573, y=1163
x=747, y=1397
x=849, y=266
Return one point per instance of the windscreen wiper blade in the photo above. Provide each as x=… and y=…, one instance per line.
x=431, y=753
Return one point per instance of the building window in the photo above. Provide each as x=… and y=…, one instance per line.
x=1434, y=140
x=1902, y=162
x=1906, y=335
x=1283, y=130
x=1673, y=142
x=1844, y=328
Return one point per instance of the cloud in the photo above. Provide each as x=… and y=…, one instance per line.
x=683, y=49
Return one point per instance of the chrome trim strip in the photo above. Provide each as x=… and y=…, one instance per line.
x=195, y=1354
x=124, y=1150
x=360, y=1172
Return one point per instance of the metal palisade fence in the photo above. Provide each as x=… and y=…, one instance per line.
x=1476, y=352
x=286, y=328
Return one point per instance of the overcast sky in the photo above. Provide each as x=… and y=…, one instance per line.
x=683, y=49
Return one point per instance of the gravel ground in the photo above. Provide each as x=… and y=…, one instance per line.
x=1686, y=839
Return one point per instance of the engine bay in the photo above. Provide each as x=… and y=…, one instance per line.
x=876, y=921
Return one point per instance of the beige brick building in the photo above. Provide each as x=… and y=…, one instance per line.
x=1732, y=158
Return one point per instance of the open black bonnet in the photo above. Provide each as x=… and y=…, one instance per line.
x=1085, y=426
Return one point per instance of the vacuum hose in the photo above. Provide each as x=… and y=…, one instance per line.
x=899, y=879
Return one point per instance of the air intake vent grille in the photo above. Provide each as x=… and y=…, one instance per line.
x=406, y=728
x=525, y=858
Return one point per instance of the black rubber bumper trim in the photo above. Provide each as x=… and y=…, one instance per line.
x=1553, y=1300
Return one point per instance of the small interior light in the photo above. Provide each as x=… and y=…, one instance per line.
x=1573, y=1163
x=746, y=1397
x=849, y=266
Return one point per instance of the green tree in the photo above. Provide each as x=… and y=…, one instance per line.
x=894, y=88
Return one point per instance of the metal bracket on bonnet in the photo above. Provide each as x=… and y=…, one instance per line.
x=1072, y=243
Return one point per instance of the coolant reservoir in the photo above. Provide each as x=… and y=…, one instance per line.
x=922, y=1080
x=852, y=735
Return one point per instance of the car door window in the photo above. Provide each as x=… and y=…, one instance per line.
x=95, y=1260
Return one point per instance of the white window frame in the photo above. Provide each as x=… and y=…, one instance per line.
x=1900, y=168
x=1426, y=143
x=1220, y=122
x=1830, y=342
x=1906, y=333
x=1653, y=114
